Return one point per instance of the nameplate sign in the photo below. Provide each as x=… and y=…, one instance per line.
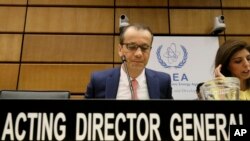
x=152, y=120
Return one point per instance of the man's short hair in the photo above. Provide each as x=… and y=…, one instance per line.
x=137, y=27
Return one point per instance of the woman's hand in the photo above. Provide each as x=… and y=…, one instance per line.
x=217, y=72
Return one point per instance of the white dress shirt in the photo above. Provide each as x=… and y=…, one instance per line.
x=124, y=90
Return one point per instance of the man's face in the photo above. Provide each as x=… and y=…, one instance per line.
x=136, y=48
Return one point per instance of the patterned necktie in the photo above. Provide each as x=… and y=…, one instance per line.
x=135, y=86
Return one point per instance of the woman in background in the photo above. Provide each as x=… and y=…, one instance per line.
x=233, y=60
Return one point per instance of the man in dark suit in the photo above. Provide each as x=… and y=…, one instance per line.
x=132, y=80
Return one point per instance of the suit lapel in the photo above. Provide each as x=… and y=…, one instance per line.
x=112, y=83
x=153, y=85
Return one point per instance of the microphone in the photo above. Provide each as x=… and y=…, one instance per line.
x=124, y=61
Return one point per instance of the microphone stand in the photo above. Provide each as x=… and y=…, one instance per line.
x=124, y=61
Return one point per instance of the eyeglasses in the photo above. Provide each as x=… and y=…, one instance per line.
x=133, y=47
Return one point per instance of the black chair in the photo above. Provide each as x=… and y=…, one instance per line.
x=22, y=94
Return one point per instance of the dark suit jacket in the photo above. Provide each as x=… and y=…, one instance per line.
x=104, y=84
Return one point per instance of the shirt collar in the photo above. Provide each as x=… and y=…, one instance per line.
x=140, y=79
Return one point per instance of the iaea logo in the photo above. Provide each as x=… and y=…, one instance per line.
x=172, y=56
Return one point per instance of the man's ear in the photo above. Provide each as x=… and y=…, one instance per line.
x=120, y=52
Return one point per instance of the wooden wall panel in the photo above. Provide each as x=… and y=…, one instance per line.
x=116, y=55
x=117, y=65
x=68, y=48
x=194, y=3
x=12, y=19
x=8, y=76
x=72, y=77
x=243, y=38
x=192, y=21
x=73, y=2
x=10, y=47
x=235, y=3
x=236, y=21
x=151, y=3
x=16, y=2
x=221, y=40
x=156, y=19
x=77, y=20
